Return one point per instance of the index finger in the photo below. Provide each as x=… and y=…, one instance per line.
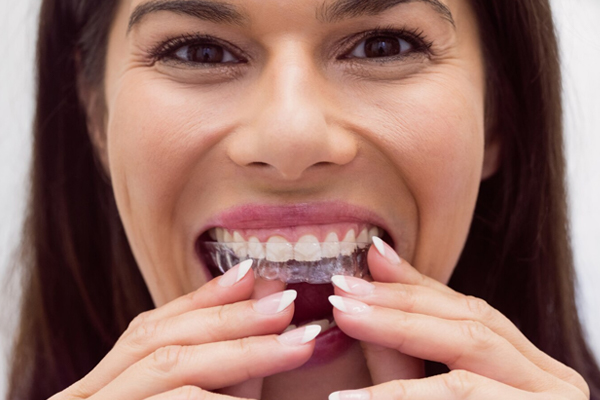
x=233, y=286
x=386, y=266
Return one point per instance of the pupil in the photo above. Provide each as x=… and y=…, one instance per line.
x=206, y=54
x=382, y=47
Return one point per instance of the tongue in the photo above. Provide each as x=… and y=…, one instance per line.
x=311, y=303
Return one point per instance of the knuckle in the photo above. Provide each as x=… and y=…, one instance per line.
x=480, y=309
x=167, y=359
x=143, y=334
x=480, y=336
x=409, y=297
x=459, y=383
x=190, y=393
x=399, y=390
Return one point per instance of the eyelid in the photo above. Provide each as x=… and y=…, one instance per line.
x=170, y=46
x=415, y=38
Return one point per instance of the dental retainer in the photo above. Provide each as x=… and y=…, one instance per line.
x=308, y=262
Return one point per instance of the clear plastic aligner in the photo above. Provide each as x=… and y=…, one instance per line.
x=277, y=261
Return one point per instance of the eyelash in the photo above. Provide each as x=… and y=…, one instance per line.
x=415, y=37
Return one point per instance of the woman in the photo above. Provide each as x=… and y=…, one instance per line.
x=161, y=123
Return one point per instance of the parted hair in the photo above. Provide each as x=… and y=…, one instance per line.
x=81, y=284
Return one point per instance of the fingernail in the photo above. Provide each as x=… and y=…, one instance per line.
x=386, y=251
x=235, y=274
x=350, y=284
x=300, y=336
x=275, y=303
x=350, y=395
x=348, y=306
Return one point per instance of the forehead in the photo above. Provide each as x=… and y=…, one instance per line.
x=240, y=12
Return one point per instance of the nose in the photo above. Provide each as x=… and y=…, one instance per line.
x=290, y=127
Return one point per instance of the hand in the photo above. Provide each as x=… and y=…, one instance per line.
x=204, y=341
x=414, y=315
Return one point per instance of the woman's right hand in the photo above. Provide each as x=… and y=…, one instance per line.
x=210, y=339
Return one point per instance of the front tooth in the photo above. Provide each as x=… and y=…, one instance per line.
x=307, y=248
x=331, y=246
x=348, y=245
x=363, y=238
x=227, y=237
x=239, y=245
x=279, y=249
x=220, y=233
x=255, y=248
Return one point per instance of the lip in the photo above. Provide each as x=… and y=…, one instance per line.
x=329, y=346
x=264, y=216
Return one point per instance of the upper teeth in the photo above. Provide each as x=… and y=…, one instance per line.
x=307, y=248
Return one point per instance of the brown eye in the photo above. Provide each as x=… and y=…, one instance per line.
x=204, y=53
x=381, y=47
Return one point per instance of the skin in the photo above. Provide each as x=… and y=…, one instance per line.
x=296, y=124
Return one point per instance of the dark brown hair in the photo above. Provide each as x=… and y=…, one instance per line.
x=82, y=285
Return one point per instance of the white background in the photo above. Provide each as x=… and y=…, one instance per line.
x=579, y=30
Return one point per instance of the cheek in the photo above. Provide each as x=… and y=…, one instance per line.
x=157, y=137
x=434, y=134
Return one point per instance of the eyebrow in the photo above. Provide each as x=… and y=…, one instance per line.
x=226, y=13
x=203, y=9
x=342, y=9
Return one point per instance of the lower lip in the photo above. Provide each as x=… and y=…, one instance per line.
x=329, y=346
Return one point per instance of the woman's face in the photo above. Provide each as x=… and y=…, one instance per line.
x=293, y=117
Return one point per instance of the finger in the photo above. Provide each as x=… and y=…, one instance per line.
x=387, y=364
x=456, y=385
x=191, y=393
x=264, y=288
x=427, y=301
x=235, y=285
x=212, y=366
x=269, y=315
x=465, y=345
x=386, y=266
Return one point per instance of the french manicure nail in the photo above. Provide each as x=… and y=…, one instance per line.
x=235, y=274
x=275, y=303
x=350, y=284
x=348, y=306
x=300, y=336
x=386, y=251
x=350, y=395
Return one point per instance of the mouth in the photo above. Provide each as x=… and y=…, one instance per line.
x=305, y=256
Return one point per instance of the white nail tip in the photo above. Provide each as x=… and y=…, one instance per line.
x=379, y=245
x=340, y=281
x=338, y=303
x=287, y=298
x=334, y=396
x=243, y=269
x=310, y=332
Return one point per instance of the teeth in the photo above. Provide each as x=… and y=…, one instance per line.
x=239, y=245
x=348, y=244
x=373, y=232
x=307, y=248
x=331, y=246
x=279, y=249
x=255, y=248
x=363, y=238
x=323, y=323
x=290, y=327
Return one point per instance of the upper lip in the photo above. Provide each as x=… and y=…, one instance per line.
x=265, y=216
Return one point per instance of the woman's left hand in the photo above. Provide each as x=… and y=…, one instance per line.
x=409, y=314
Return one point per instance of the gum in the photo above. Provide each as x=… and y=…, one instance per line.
x=292, y=271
